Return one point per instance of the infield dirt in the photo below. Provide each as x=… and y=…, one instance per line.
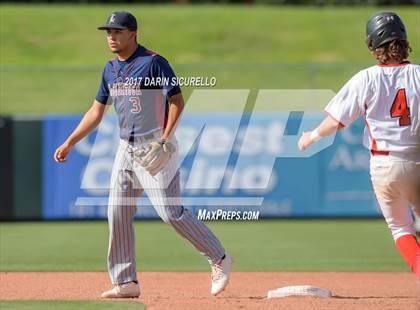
x=247, y=290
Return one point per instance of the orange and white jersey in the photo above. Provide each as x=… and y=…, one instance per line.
x=388, y=96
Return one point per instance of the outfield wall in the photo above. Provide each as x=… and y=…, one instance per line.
x=333, y=183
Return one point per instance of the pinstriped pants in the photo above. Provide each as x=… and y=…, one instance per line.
x=128, y=181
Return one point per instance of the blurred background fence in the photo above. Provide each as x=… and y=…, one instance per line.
x=333, y=183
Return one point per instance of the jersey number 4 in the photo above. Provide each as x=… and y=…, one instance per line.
x=400, y=109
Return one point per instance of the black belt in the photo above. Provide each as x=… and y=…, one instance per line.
x=141, y=138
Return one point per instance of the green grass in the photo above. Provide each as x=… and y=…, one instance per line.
x=70, y=305
x=67, y=35
x=281, y=245
x=52, y=56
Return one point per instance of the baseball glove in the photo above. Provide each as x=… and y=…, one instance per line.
x=155, y=158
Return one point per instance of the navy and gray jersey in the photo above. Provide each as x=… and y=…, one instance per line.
x=139, y=88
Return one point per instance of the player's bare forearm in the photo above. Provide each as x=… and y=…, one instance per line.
x=176, y=106
x=327, y=127
x=88, y=123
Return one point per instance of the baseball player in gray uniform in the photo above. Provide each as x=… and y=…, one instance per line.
x=148, y=110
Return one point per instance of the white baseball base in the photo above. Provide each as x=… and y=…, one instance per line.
x=299, y=290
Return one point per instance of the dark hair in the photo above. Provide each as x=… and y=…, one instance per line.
x=397, y=50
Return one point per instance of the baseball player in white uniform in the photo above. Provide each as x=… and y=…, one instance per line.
x=148, y=110
x=387, y=95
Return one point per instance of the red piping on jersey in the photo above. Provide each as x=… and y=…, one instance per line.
x=127, y=72
x=374, y=148
x=113, y=62
x=395, y=65
x=376, y=153
x=151, y=53
x=340, y=124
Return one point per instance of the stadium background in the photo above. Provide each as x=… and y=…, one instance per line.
x=51, y=60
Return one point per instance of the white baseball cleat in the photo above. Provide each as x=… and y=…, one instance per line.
x=220, y=274
x=126, y=290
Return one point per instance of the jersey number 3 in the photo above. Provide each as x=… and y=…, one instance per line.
x=136, y=107
x=400, y=109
